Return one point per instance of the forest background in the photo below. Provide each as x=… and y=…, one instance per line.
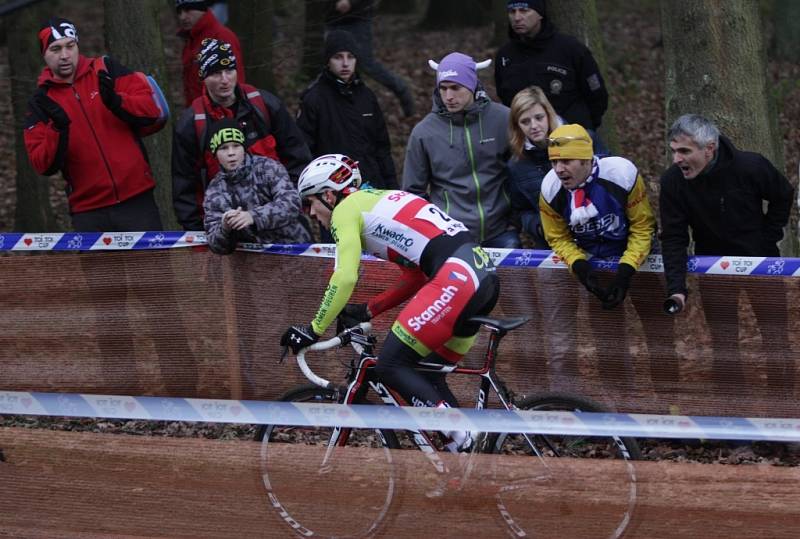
x=737, y=61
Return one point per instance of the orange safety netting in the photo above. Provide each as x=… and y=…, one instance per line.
x=190, y=323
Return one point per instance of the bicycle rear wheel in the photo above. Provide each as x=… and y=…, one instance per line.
x=575, y=486
x=328, y=482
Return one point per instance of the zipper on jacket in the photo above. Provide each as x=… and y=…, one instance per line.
x=475, y=178
x=97, y=140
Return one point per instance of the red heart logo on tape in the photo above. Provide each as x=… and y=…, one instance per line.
x=27, y=241
x=725, y=264
x=27, y=401
x=130, y=406
x=316, y=249
x=189, y=239
x=107, y=240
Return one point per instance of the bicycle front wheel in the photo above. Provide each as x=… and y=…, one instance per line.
x=328, y=481
x=574, y=486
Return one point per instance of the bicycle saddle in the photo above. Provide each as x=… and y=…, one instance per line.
x=504, y=326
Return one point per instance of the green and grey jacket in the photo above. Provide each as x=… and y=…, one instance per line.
x=262, y=187
x=458, y=160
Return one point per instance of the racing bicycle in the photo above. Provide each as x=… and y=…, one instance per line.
x=344, y=482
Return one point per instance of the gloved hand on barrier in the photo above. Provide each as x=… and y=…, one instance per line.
x=616, y=292
x=583, y=271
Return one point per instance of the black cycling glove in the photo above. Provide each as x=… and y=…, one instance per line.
x=299, y=337
x=353, y=314
x=583, y=271
x=618, y=289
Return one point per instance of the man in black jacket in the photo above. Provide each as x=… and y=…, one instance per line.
x=355, y=17
x=562, y=66
x=340, y=114
x=269, y=130
x=718, y=191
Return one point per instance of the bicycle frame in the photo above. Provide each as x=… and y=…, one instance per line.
x=361, y=372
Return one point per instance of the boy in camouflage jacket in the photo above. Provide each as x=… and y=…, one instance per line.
x=251, y=199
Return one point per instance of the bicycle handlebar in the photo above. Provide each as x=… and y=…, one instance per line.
x=340, y=340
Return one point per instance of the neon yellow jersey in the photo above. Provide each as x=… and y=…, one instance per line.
x=391, y=225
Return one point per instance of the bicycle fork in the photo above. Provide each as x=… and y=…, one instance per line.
x=420, y=439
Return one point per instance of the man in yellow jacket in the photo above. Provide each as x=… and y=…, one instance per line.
x=595, y=207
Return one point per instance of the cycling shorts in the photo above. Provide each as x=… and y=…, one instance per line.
x=433, y=316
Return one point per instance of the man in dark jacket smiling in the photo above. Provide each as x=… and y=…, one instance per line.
x=340, y=114
x=718, y=191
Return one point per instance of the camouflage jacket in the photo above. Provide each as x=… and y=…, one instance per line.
x=262, y=187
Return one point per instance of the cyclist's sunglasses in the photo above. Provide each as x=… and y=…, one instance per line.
x=561, y=141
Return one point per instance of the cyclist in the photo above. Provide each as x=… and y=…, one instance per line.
x=449, y=276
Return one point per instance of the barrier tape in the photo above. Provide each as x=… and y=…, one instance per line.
x=405, y=418
x=121, y=241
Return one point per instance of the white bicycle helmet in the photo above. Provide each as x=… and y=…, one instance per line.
x=333, y=171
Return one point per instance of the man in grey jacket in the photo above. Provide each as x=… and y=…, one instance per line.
x=457, y=154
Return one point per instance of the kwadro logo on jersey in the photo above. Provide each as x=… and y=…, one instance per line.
x=432, y=312
x=393, y=236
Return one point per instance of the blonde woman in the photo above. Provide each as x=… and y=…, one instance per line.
x=531, y=122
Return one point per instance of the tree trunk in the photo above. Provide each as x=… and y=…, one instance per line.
x=252, y=21
x=500, y=20
x=133, y=37
x=34, y=213
x=313, y=40
x=578, y=18
x=716, y=66
x=455, y=14
x=786, y=19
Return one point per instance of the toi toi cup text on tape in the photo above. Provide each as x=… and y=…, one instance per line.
x=104, y=241
x=405, y=418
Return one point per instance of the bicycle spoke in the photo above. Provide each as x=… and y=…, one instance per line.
x=306, y=470
x=593, y=474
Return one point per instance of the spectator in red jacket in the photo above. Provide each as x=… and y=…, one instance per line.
x=196, y=23
x=82, y=121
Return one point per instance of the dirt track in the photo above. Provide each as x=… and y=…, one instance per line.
x=62, y=484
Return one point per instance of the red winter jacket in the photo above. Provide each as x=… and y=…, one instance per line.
x=206, y=26
x=99, y=153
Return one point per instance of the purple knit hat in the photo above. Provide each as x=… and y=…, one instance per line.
x=459, y=68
